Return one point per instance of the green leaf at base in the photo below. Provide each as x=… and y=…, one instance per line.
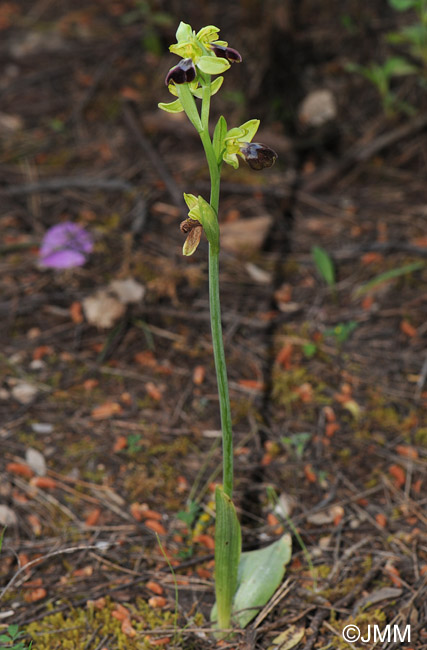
x=260, y=574
x=227, y=553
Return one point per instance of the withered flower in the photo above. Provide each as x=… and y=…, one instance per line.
x=193, y=229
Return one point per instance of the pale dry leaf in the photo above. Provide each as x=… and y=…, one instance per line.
x=317, y=108
x=288, y=639
x=260, y=276
x=36, y=461
x=284, y=506
x=320, y=518
x=10, y=123
x=23, y=392
x=245, y=235
x=7, y=516
x=127, y=291
x=102, y=309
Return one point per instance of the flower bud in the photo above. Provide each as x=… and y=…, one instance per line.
x=257, y=155
x=184, y=72
x=229, y=53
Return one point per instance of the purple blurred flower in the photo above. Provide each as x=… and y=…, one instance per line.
x=64, y=246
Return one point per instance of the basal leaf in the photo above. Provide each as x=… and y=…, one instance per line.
x=227, y=554
x=260, y=574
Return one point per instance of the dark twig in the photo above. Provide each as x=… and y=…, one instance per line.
x=57, y=184
x=155, y=159
x=361, y=153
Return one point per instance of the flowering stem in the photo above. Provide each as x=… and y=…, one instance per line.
x=215, y=305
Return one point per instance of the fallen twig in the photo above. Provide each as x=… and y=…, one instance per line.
x=361, y=153
x=155, y=159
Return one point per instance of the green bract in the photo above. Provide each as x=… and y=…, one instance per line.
x=201, y=211
x=236, y=138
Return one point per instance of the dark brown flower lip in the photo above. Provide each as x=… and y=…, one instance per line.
x=229, y=53
x=258, y=156
x=184, y=72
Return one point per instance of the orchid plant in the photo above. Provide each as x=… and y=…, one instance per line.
x=244, y=582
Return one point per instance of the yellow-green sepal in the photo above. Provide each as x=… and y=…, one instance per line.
x=213, y=64
x=243, y=133
x=193, y=206
x=207, y=34
x=184, y=32
x=187, y=49
x=172, y=107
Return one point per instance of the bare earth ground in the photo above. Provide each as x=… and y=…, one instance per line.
x=328, y=385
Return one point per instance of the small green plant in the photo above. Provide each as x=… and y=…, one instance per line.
x=413, y=39
x=153, y=21
x=243, y=581
x=342, y=331
x=297, y=442
x=13, y=639
x=381, y=77
x=385, y=277
x=324, y=265
x=134, y=443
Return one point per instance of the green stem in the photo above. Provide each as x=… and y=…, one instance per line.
x=215, y=306
x=201, y=123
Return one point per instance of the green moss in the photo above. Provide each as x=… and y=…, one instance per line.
x=363, y=621
x=156, y=465
x=71, y=630
x=287, y=382
x=421, y=437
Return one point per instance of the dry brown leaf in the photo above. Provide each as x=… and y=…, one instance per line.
x=155, y=587
x=309, y=474
x=20, y=469
x=199, y=373
x=76, y=312
x=156, y=526
x=120, y=443
x=44, y=482
x=160, y=642
x=120, y=612
x=407, y=451
x=398, y=474
x=35, y=595
x=93, y=517
x=35, y=524
x=157, y=602
x=381, y=519
x=106, y=410
x=408, y=329
x=245, y=235
x=153, y=391
x=205, y=540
